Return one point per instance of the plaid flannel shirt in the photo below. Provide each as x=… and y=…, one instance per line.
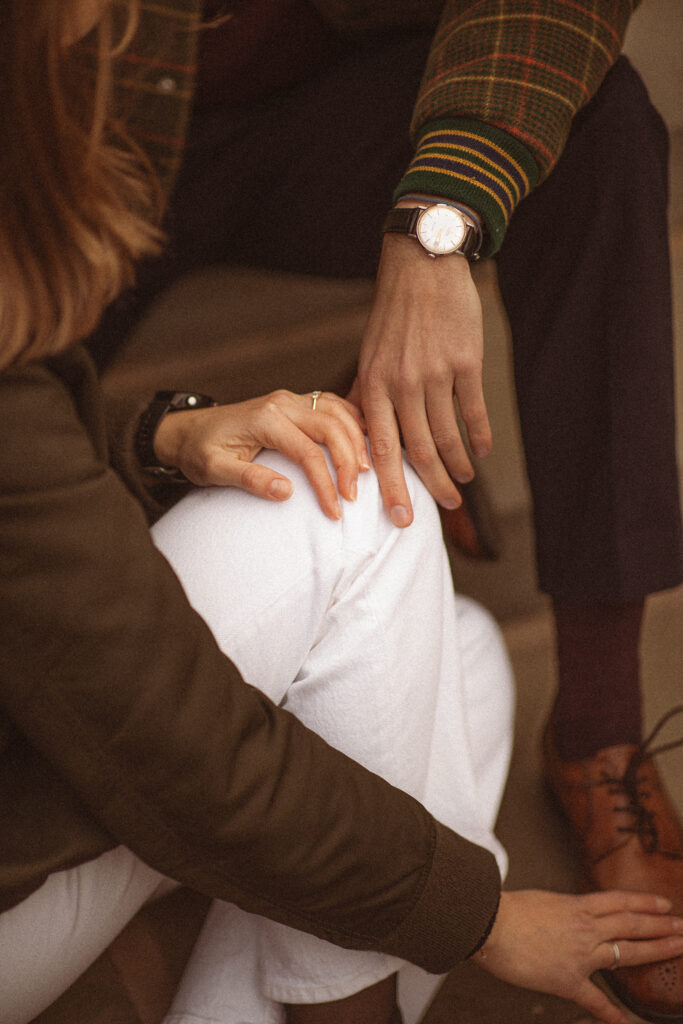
x=503, y=81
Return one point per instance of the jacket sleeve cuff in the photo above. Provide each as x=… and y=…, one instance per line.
x=456, y=908
x=475, y=164
x=123, y=414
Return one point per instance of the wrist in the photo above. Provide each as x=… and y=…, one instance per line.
x=165, y=441
x=403, y=254
x=441, y=227
x=153, y=445
x=419, y=199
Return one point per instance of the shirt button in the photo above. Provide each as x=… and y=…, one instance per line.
x=167, y=85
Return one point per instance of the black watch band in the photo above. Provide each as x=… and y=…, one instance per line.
x=163, y=403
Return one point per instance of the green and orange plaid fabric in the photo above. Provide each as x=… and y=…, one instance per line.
x=155, y=80
x=502, y=84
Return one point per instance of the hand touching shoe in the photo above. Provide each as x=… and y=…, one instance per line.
x=627, y=836
x=553, y=942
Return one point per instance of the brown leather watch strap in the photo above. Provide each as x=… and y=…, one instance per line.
x=403, y=220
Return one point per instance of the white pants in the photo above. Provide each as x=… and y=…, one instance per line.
x=352, y=626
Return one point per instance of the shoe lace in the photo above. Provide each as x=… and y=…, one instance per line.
x=633, y=785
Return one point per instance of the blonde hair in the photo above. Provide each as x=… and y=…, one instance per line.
x=78, y=202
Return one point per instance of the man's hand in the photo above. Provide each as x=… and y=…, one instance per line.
x=218, y=446
x=423, y=347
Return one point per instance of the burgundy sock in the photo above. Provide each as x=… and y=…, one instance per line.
x=599, y=700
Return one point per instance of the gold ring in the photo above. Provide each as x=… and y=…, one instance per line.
x=315, y=396
x=617, y=954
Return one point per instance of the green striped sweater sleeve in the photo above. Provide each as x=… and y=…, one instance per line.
x=503, y=82
x=475, y=164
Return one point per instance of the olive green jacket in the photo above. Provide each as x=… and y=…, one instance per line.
x=121, y=722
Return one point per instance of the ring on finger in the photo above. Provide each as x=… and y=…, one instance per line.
x=617, y=954
x=314, y=399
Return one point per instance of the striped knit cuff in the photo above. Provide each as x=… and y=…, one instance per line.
x=475, y=164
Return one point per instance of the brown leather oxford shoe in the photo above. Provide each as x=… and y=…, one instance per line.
x=628, y=835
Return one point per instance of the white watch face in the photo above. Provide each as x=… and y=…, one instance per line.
x=441, y=229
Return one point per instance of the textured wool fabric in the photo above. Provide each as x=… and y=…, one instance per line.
x=479, y=164
x=516, y=72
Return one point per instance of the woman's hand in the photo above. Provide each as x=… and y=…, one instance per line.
x=218, y=445
x=552, y=942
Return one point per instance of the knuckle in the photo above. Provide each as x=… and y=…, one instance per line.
x=475, y=417
x=330, y=422
x=635, y=924
x=585, y=924
x=271, y=408
x=446, y=440
x=439, y=374
x=249, y=477
x=374, y=378
x=408, y=378
x=381, y=449
x=279, y=395
x=312, y=452
x=466, y=364
x=420, y=454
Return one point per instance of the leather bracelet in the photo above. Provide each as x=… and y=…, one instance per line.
x=164, y=402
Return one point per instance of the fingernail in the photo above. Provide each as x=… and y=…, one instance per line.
x=663, y=903
x=364, y=462
x=336, y=508
x=399, y=515
x=280, y=489
x=450, y=504
x=481, y=450
x=353, y=490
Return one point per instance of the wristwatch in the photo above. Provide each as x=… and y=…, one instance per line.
x=439, y=228
x=164, y=402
